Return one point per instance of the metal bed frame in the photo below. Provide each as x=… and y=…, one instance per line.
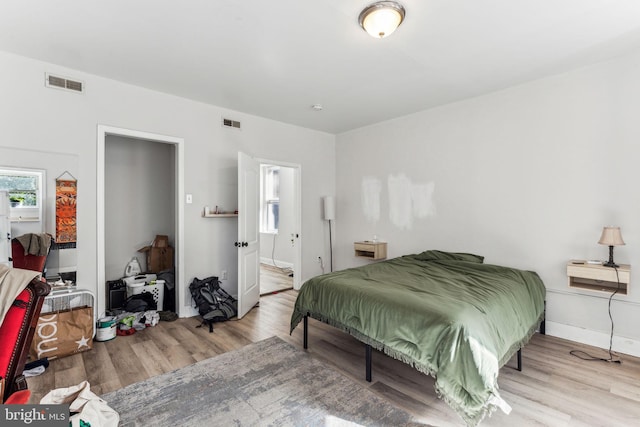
x=368, y=348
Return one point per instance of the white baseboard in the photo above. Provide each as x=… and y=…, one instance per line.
x=281, y=264
x=597, y=339
x=188, y=311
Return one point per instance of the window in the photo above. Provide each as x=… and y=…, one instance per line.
x=25, y=193
x=270, y=198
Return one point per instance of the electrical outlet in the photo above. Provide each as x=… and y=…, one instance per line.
x=224, y=275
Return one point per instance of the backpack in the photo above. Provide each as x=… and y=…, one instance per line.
x=214, y=304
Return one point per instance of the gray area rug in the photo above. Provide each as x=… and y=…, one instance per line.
x=268, y=383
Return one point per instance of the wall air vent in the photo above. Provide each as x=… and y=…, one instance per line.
x=228, y=123
x=63, y=83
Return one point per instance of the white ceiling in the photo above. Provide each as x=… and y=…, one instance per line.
x=276, y=58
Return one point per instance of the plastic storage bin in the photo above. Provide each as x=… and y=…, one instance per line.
x=140, y=278
x=146, y=283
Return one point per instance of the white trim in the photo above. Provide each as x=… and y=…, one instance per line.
x=597, y=339
x=182, y=306
x=190, y=311
x=278, y=263
x=618, y=298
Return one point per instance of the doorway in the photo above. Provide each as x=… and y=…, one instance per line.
x=176, y=222
x=279, y=226
x=139, y=201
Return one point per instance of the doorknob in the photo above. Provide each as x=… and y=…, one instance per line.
x=245, y=244
x=236, y=244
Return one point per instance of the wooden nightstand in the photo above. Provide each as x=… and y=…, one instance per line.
x=596, y=277
x=371, y=250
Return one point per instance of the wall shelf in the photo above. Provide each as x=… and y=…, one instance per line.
x=219, y=215
x=371, y=250
x=597, y=277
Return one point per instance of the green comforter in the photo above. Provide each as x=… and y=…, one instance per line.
x=446, y=314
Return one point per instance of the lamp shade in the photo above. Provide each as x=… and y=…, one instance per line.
x=611, y=236
x=329, y=208
x=382, y=18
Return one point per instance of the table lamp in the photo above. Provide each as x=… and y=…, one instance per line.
x=611, y=237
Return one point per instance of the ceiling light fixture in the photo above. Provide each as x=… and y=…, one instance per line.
x=380, y=19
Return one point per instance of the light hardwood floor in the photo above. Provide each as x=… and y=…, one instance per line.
x=274, y=279
x=554, y=388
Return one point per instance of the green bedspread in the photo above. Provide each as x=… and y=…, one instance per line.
x=446, y=314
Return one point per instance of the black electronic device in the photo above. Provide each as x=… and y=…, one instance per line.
x=116, y=294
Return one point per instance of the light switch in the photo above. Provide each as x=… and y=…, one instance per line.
x=189, y=198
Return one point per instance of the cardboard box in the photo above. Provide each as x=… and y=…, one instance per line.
x=161, y=241
x=159, y=254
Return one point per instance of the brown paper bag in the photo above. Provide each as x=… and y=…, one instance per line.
x=63, y=333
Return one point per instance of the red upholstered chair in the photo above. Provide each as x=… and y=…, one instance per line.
x=26, y=262
x=16, y=334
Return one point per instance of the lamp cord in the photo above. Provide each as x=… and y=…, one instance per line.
x=273, y=250
x=586, y=356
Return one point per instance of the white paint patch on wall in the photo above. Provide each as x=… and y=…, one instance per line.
x=400, y=196
x=422, y=197
x=408, y=200
x=371, y=189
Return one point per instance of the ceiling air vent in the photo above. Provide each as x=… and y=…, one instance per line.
x=63, y=83
x=230, y=123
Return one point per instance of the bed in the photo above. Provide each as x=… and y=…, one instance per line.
x=448, y=315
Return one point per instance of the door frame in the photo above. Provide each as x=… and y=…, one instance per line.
x=102, y=132
x=297, y=194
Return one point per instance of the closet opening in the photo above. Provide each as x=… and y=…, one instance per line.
x=140, y=185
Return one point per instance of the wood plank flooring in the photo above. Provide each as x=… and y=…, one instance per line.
x=554, y=388
x=274, y=279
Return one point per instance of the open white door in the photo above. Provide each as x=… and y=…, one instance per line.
x=248, y=243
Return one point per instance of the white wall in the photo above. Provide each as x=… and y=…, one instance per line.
x=526, y=177
x=139, y=199
x=35, y=117
x=54, y=163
